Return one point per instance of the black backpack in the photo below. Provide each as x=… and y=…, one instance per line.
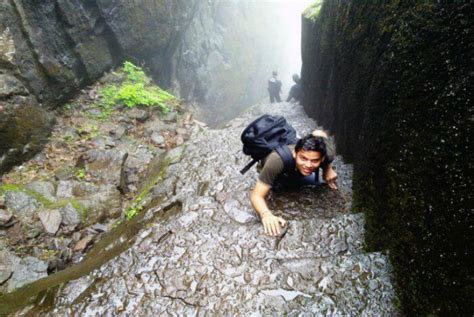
x=265, y=134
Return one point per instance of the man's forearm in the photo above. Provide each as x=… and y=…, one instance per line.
x=260, y=204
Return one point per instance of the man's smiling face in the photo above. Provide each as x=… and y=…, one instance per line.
x=307, y=161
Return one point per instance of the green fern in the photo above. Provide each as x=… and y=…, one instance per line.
x=136, y=90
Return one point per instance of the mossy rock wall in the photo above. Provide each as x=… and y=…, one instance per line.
x=393, y=82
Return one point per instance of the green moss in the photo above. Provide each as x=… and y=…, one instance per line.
x=159, y=167
x=312, y=12
x=43, y=200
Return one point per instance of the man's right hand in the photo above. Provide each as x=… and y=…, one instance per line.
x=272, y=224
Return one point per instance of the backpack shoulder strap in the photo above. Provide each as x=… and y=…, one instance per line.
x=287, y=157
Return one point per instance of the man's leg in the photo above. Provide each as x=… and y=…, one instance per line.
x=277, y=97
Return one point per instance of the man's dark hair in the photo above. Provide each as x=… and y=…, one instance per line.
x=311, y=143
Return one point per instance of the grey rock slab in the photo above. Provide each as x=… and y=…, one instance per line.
x=21, y=203
x=70, y=216
x=175, y=155
x=5, y=217
x=46, y=189
x=157, y=138
x=8, y=262
x=118, y=132
x=239, y=213
x=51, y=220
x=27, y=271
x=138, y=114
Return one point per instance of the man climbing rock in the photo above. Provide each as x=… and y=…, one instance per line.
x=296, y=92
x=306, y=157
x=274, y=87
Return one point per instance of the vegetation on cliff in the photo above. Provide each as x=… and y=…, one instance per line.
x=393, y=83
x=136, y=89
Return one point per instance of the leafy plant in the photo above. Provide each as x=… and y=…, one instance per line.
x=81, y=174
x=134, y=73
x=136, y=90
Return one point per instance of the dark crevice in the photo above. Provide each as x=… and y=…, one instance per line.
x=26, y=36
x=80, y=68
x=115, y=48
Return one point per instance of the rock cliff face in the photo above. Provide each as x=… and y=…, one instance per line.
x=207, y=52
x=393, y=82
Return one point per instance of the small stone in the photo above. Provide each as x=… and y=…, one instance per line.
x=373, y=285
x=170, y=117
x=138, y=114
x=5, y=217
x=82, y=244
x=132, y=178
x=94, y=112
x=61, y=243
x=181, y=131
x=118, y=132
x=70, y=216
x=179, y=140
x=64, y=173
x=157, y=138
x=76, y=236
x=56, y=265
x=33, y=231
x=51, y=220
x=98, y=227
x=7, y=263
x=64, y=189
x=174, y=155
x=124, y=119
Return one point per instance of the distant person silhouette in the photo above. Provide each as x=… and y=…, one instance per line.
x=296, y=92
x=274, y=88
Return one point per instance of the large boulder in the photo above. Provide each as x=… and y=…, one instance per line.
x=21, y=204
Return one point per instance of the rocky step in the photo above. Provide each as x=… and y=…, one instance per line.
x=335, y=286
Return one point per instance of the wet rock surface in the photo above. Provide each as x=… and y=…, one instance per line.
x=212, y=256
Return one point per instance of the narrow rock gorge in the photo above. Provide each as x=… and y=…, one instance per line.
x=120, y=152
